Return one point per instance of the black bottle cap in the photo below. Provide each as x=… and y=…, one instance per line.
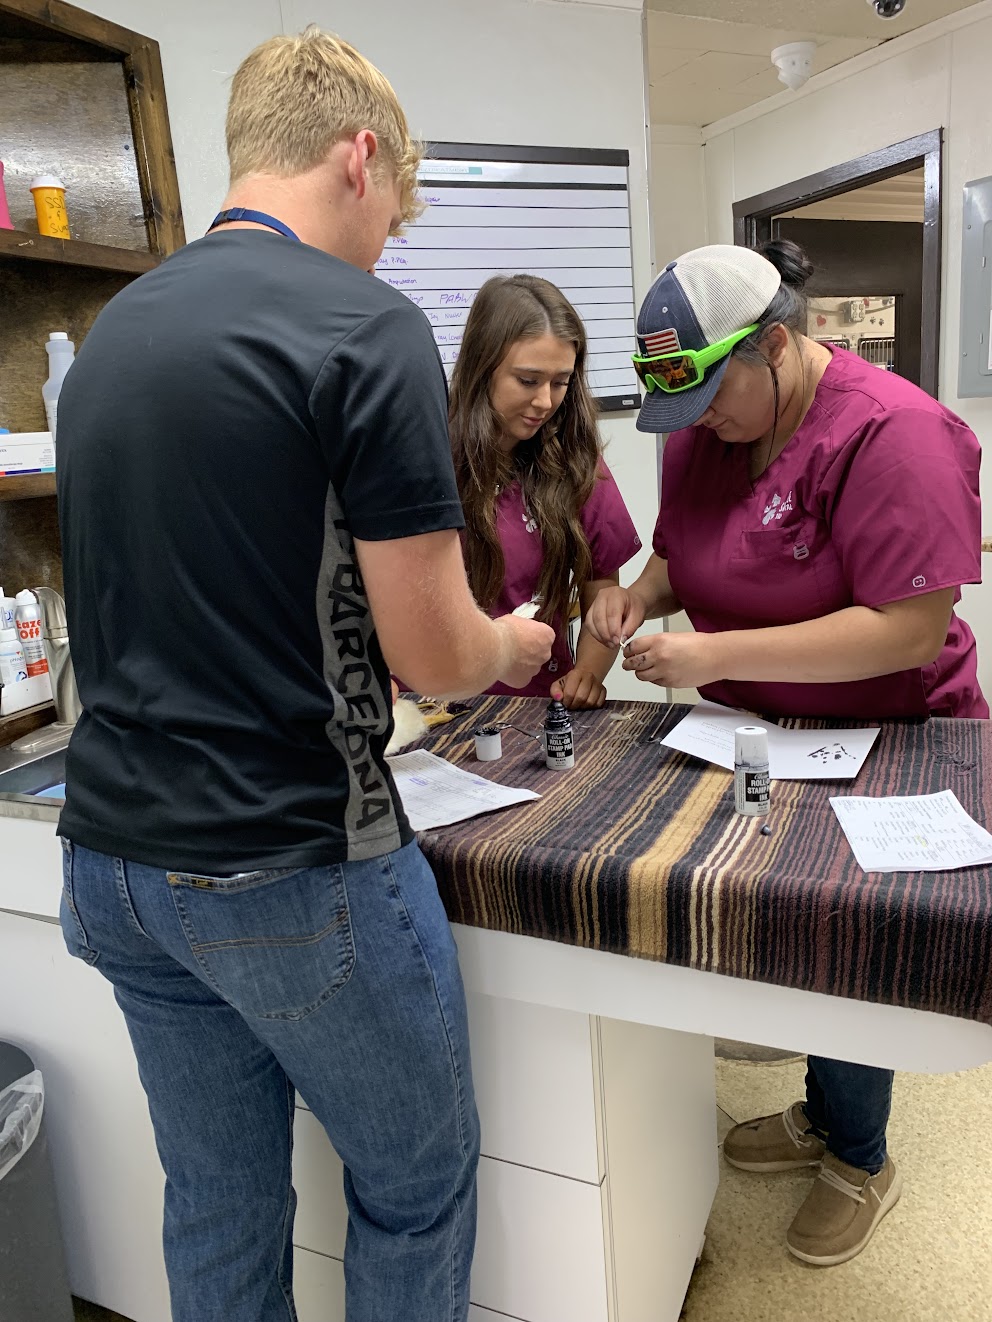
x=557, y=714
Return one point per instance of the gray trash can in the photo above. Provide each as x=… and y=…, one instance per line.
x=34, y=1286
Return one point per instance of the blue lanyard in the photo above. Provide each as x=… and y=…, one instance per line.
x=257, y=217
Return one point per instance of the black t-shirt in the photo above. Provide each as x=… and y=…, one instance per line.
x=233, y=420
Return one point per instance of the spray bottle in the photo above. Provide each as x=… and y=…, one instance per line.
x=31, y=631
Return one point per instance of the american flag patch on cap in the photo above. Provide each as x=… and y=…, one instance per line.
x=659, y=342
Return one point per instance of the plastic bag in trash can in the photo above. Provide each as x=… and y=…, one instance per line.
x=21, y=1107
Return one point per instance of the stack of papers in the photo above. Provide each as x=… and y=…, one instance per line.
x=917, y=833
x=708, y=733
x=436, y=793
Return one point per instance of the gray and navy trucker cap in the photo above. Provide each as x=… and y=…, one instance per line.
x=697, y=301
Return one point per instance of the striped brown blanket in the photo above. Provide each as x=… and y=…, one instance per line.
x=638, y=851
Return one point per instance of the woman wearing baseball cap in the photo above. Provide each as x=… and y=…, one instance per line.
x=818, y=517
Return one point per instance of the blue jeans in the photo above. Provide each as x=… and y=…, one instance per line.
x=341, y=981
x=848, y=1107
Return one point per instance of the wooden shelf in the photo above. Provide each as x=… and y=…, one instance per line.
x=27, y=486
x=23, y=246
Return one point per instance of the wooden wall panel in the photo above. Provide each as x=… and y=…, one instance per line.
x=30, y=550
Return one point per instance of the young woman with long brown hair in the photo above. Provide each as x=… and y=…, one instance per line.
x=544, y=519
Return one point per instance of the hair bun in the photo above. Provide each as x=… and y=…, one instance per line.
x=789, y=260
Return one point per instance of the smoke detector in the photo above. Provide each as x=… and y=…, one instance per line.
x=794, y=62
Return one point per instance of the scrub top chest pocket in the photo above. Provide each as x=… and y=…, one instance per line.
x=735, y=572
x=787, y=570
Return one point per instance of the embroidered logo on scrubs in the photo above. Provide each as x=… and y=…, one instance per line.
x=776, y=508
x=919, y=581
x=800, y=551
x=530, y=523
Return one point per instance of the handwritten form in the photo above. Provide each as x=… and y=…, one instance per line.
x=708, y=733
x=569, y=223
x=436, y=793
x=917, y=833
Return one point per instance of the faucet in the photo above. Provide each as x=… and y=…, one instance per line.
x=67, y=705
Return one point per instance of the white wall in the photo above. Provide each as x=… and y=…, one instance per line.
x=679, y=223
x=678, y=200
x=541, y=72
x=914, y=84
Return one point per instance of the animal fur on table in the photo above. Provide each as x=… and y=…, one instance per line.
x=408, y=726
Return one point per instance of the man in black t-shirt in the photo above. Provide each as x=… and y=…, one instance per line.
x=259, y=520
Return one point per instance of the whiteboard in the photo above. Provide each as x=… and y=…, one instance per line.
x=559, y=213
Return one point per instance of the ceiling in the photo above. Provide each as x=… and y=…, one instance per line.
x=899, y=198
x=710, y=58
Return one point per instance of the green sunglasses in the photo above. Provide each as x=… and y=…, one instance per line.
x=673, y=372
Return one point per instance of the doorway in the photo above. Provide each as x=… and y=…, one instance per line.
x=871, y=228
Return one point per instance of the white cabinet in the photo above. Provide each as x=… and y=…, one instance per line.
x=318, y=1287
x=588, y=1126
x=539, y=1254
x=540, y=1250
x=321, y=1213
x=535, y=1085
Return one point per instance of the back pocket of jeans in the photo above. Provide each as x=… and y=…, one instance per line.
x=276, y=944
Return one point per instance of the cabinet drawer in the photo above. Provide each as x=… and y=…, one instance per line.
x=318, y=1285
x=321, y=1212
x=535, y=1086
x=540, y=1251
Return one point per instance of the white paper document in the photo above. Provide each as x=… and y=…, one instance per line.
x=436, y=793
x=917, y=833
x=708, y=732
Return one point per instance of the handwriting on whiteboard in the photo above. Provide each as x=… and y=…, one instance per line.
x=567, y=222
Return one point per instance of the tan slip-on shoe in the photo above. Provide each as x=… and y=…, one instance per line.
x=841, y=1212
x=782, y=1142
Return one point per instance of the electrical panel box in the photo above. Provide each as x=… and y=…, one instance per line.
x=975, y=350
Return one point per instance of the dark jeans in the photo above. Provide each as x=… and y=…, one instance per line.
x=342, y=980
x=848, y=1107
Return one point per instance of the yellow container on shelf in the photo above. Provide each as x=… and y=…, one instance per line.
x=49, y=204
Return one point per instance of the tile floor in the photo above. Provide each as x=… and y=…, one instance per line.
x=930, y=1260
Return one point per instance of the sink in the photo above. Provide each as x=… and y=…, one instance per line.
x=32, y=776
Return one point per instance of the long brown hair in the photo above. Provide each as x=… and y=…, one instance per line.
x=557, y=468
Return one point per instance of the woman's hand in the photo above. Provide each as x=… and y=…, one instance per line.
x=677, y=660
x=615, y=614
x=580, y=690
